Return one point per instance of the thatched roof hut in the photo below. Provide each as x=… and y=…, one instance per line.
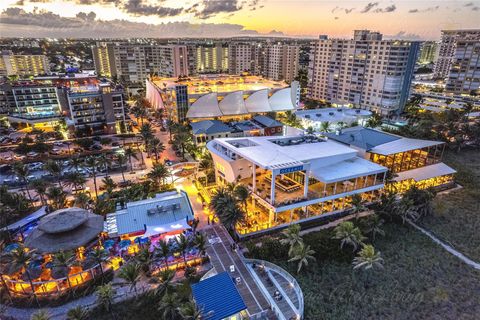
x=65, y=229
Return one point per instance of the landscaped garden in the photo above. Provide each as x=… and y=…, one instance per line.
x=456, y=216
x=419, y=280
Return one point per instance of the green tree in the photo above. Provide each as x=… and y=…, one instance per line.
x=92, y=163
x=291, y=237
x=22, y=173
x=55, y=168
x=374, y=226
x=159, y=174
x=99, y=256
x=77, y=313
x=183, y=244
x=181, y=140
x=168, y=306
x=104, y=162
x=190, y=311
x=130, y=153
x=156, y=147
x=17, y=260
x=302, y=255
x=75, y=180
x=122, y=160
x=358, y=205
x=82, y=200
x=163, y=251
x=367, y=258
x=62, y=262
x=41, y=315
x=109, y=184
x=146, y=132
x=325, y=126
x=200, y=243
x=131, y=274
x=57, y=197
x=242, y=193
x=348, y=234
x=105, y=294
x=40, y=186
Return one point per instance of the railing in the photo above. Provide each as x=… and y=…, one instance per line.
x=56, y=286
x=286, y=275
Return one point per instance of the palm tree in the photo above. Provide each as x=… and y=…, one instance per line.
x=105, y=162
x=183, y=243
x=82, y=200
x=130, y=153
x=105, y=294
x=156, y=147
x=18, y=260
x=92, y=163
x=40, y=186
x=190, y=311
x=57, y=197
x=220, y=198
x=22, y=173
x=159, y=174
x=165, y=278
x=200, y=243
x=302, y=254
x=367, y=258
x=231, y=215
x=144, y=259
x=75, y=180
x=421, y=200
x=146, y=132
x=347, y=233
x=77, y=313
x=181, y=139
x=62, y=261
x=98, y=256
x=292, y=238
x=325, y=126
x=375, y=224
x=242, y=193
x=357, y=205
x=131, y=273
x=55, y=168
x=140, y=108
x=109, y=184
x=76, y=162
x=163, y=250
x=41, y=315
x=168, y=306
x=122, y=160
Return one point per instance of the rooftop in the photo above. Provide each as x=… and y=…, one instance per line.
x=364, y=138
x=217, y=297
x=424, y=173
x=267, y=121
x=272, y=153
x=166, y=212
x=333, y=114
x=220, y=83
x=210, y=127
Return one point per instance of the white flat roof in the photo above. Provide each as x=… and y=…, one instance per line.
x=402, y=145
x=424, y=173
x=263, y=152
x=347, y=169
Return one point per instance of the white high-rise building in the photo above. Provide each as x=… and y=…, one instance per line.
x=135, y=62
x=365, y=72
x=23, y=65
x=448, y=46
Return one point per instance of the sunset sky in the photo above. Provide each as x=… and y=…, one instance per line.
x=177, y=18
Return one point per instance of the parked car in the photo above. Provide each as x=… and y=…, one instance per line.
x=32, y=154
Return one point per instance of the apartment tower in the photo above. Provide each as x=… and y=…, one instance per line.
x=364, y=72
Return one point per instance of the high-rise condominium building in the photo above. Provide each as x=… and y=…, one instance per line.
x=448, y=46
x=135, y=62
x=23, y=65
x=459, y=61
x=365, y=72
x=275, y=61
x=208, y=58
x=428, y=52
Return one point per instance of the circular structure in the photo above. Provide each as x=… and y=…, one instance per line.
x=63, y=220
x=65, y=229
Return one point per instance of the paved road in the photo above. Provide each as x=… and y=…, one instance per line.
x=223, y=258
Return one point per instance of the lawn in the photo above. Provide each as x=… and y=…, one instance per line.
x=419, y=280
x=456, y=217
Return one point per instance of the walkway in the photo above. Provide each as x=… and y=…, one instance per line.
x=447, y=247
x=223, y=258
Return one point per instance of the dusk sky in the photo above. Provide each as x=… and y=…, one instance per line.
x=218, y=18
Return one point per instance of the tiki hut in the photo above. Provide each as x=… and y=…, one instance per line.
x=65, y=229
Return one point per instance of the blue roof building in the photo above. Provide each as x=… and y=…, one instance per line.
x=210, y=127
x=218, y=297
